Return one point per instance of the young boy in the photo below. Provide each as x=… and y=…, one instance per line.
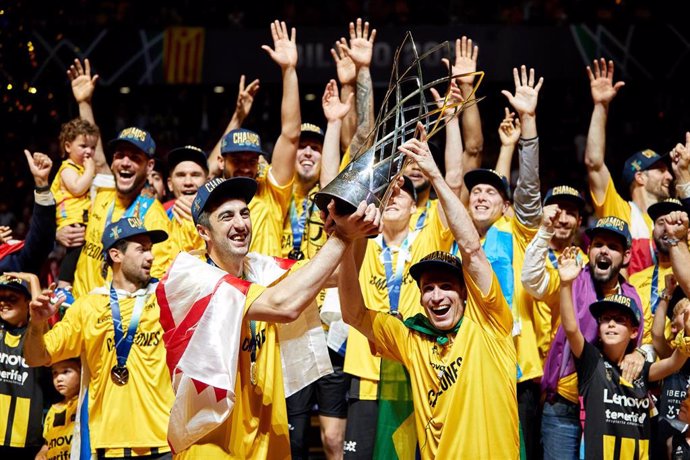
x=78, y=139
x=59, y=423
x=616, y=411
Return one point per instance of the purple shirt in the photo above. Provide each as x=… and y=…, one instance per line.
x=559, y=362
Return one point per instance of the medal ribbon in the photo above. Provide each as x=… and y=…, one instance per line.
x=297, y=223
x=123, y=342
x=138, y=208
x=553, y=258
x=654, y=295
x=422, y=216
x=394, y=279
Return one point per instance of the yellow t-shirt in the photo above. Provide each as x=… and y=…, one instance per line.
x=58, y=428
x=257, y=426
x=183, y=237
x=467, y=386
x=424, y=214
x=359, y=360
x=639, y=222
x=87, y=276
x=642, y=281
x=136, y=414
x=69, y=209
x=314, y=236
x=268, y=209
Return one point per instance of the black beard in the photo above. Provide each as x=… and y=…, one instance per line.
x=661, y=246
x=613, y=272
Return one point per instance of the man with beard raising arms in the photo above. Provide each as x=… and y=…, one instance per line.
x=608, y=252
x=240, y=150
x=645, y=173
x=563, y=207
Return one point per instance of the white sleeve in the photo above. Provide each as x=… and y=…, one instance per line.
x=534, y=276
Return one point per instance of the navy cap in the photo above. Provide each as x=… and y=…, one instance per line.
x=128, y=227
x=617, y=302
x=564, y=193
x=15, y=284
x=241, y=140
x=439, y=260
x=664, y=207
x=236, y=187
x=614, y=225
x=187, y=153
x=640, y=161
x=137, y=137
x=312, y=131
x=490, y=177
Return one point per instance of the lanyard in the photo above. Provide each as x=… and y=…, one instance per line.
x=394, y=279
x=553, y=258
x=123, y=342
x=297, y=223
x=422, y=217
x=654, y=294
x=138, y=208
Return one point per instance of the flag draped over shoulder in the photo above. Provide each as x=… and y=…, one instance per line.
x=198, y=297
x=396, y=436
x=202, y=310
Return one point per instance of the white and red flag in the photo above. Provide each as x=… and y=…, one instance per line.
x=202, y=310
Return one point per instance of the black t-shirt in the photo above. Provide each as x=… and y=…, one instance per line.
x=616, y=413
x=680, y=449
x=26, y=389
x=673, y=392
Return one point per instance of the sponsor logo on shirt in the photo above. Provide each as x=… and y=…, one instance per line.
x=635, y=413
x=448, y=375
x=13, y=375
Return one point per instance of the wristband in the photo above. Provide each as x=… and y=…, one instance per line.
x=42, y=188
x=642, y=352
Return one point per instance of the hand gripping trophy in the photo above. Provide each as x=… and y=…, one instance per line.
x=379, y=163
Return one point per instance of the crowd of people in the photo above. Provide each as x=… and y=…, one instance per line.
x=205, y=307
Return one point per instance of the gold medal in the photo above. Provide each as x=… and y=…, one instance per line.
x=252, y=373
x=119, y=375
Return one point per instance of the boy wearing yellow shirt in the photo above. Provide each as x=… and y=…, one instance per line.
x=463, y=337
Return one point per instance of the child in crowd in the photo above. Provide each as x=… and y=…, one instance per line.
x=78, y=139
x=59, y=423
x=617, y=412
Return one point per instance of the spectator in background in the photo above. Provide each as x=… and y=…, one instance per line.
x=29, y=255
x=58, y=426
x=25, y=389
x=71, y=186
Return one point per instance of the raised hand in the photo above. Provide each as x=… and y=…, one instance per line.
x=676, y=226
x=333, y=108
x=361, y=46
x=5, y=234
x=42, y=307
x=454, y=99
x=569, y=266
x=550, y=216
x=509, y=130
x=601, y=82
x=526, y=92
x=245, y=97
x=39, y=164
x=365, y=221
x=83, y=84
x=465, y=60
x=418, y=151
x=344, y=67
x=680, y=160
x=284, y=51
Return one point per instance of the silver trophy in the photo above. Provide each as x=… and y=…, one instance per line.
x=379, y=163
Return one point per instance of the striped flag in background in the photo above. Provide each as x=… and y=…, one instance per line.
x=183, y=52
